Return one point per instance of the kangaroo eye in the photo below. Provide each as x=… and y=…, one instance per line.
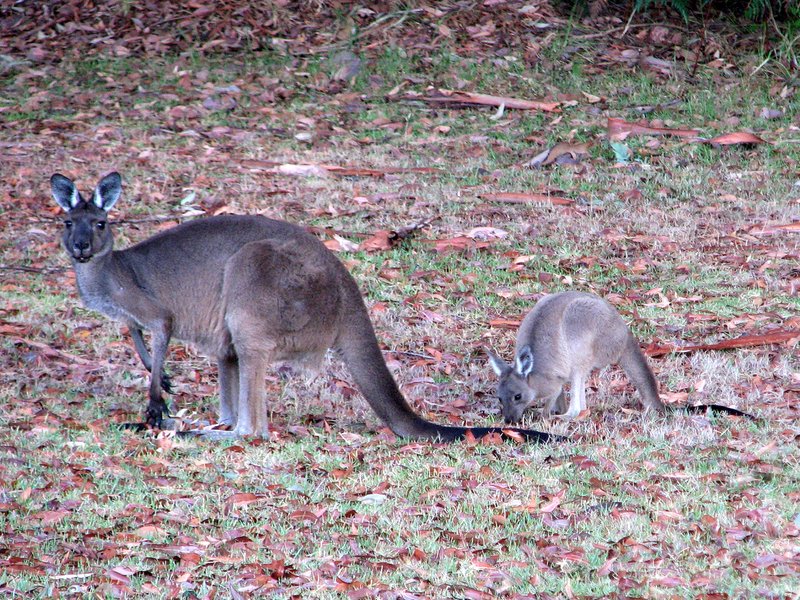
x=101, y=225
x=517, y=397
x=67, y=224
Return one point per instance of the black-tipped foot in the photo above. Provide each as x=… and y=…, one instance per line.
x=156, y=411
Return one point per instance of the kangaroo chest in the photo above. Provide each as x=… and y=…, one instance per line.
x=103, y=295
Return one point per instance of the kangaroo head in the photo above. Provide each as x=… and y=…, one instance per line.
x=513, y=390
x=86, y=232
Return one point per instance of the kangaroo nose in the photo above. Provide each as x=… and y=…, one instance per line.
x=81, y=245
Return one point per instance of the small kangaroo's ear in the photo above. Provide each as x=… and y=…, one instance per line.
x=524, y=361
x=108, y=191
x=499, y=366
x=64, y=192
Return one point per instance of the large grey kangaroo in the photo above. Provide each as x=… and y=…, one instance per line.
x=246, y=290
x=562, y=340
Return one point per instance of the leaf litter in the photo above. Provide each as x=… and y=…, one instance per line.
x=87, y=510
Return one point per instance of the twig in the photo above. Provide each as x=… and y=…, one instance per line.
x=628, y=24
x=792, y=57
x=32, y=269
x=624, y=28
x=49, y=350
x=366, y=31
x=414, y=354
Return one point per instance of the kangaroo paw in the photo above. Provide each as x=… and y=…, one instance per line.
x=156, y=409
x=166, y=382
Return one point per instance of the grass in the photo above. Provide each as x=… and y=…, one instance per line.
x=669, y=507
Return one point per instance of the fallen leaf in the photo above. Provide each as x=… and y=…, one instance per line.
x=522, y=198
x=343, y=244
x=460, y=242
x=121, y=574
x=561, y=153
x=50, y=517
x=790, y=336
x=303, y=170
x=554, y=501
x=373, y=499
x=619, y=129
x=380, y=240
x=505, y=323
x=451, y=97
x=728, y=139
x=486, y=233
x=793, y=227
x=243, y=498
x=622, y=154
x=322, y=170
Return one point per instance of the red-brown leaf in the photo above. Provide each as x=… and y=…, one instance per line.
x=522, y=198
x=790, y=336
x=448, y=96
x=739, y=137
x=619, y=130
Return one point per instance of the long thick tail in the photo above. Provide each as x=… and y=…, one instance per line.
x=717, y=408
x=363, y=357
x=635, y=366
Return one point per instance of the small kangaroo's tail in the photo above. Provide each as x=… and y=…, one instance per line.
x=364, y=359
x=717, y=408
x=638, y=371
x=635, y=365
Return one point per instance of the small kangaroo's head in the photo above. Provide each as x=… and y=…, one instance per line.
x=86, y=232
x=513, y=390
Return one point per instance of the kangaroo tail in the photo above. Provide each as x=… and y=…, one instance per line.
x=364, y=359
x=715, y=408
x=635, y=366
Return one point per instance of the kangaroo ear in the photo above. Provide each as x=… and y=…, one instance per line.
x=64, y=192
x=107, y=191
x=499, y=366
x=524, y=361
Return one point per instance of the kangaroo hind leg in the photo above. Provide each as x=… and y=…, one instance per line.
x=555, y=405
x=252, y=410
x=577, y=396
x=228, y=389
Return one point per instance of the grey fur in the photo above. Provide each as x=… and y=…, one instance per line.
x=246, y=290
x=561, y=340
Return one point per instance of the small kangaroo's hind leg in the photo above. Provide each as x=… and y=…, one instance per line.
x=555, y=405
x=577, y=398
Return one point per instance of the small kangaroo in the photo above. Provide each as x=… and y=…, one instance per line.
x=561, y=340
x=246, y=290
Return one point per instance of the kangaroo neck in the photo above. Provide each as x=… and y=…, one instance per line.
x=97, y=281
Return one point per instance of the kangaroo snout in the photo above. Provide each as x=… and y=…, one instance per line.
x=82, y=250
x=511, y=416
